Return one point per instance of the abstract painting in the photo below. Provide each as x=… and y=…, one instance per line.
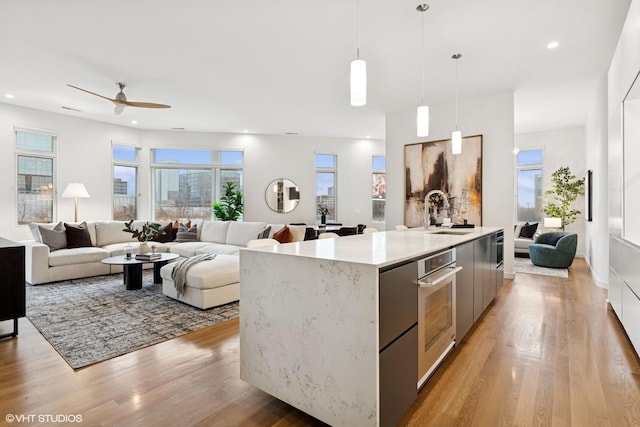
x=453, y=182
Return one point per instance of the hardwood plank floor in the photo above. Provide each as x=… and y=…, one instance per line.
x=547, y=352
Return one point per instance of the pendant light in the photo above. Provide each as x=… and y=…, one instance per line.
x=358, y=70
x=422, y=117
x=456, y=135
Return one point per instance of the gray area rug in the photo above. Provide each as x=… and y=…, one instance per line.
x=94, y=319
x=524, y=265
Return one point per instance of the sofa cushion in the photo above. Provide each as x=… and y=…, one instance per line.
x=214, y=231
x=78, y=235
x=221, y=271
x=187, y=249
x=218, y=249
x=77, y=256
x=187, y=234
x=108, y=232
x=55, y=238
x=241, y=232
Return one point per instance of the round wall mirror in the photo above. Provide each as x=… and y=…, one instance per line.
x=282, y=195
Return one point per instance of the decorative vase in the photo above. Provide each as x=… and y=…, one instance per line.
x=323, y=219
x=144, y=247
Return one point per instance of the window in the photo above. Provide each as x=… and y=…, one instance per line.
x=326, y=184
x=35, y=164
x=379, y=188
x=125, y=181
x=187, y=182
x=529, y=185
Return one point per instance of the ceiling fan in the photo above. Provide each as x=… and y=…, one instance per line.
x=121, y=99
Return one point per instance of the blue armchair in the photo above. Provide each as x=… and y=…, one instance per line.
x=555, y=250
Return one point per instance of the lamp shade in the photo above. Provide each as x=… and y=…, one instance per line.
x=422, y=120
x=456, y=142
x=75, y=189
x=552, y=222
x=358, y=82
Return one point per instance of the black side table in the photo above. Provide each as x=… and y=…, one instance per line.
x=12, y=301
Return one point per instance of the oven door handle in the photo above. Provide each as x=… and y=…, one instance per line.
x=431, y=283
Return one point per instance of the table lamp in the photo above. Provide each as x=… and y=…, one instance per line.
x=75, y=190
x=553, y=223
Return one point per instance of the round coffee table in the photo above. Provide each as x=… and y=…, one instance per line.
x=133, y=268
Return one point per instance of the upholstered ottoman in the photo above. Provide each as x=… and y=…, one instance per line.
x=209, y=283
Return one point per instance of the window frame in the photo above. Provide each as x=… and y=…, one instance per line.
x=125, y=163
x=215, y=168
x=49, y=155
x=332, y=216
x=529, y=167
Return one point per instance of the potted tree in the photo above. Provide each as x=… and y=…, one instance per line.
x=566, y=189
x=230, y=206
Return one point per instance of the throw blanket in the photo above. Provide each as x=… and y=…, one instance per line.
x=179, y=273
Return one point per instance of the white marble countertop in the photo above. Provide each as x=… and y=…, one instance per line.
x=382, y=248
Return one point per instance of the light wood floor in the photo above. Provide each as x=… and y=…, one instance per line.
x=547, y=352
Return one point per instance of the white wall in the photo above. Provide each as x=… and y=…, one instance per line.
x=562, y=147
x=596, y=240
x=84, y=154
x=492, y=117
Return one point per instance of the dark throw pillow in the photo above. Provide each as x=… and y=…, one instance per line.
x=187, y=234
x=528, y=230
x=166, y=234
x=265, y=233
x=78, y=236
x=283, y=236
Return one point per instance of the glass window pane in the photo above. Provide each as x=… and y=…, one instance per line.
x=379, y=163
x=125, y=153
x=35, y=189
x=191, y=157
x=231, y=157
x=379, y=190
x=325, y=192
x=124, y=193
x=325, y=161
x=34, y=141
x=530, y=195
x=529, y=157
x=182, y=193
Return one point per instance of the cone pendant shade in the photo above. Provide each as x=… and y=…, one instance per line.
x=358, y=82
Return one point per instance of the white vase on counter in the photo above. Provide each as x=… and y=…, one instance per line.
x=144, y=247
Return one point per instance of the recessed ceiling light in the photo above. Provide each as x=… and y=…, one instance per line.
x=134, y=122
x=10, y=96
x=552, y=45
x=245, y=131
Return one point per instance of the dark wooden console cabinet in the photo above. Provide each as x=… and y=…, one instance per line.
x=12, y=291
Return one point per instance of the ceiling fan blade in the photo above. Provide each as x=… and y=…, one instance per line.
x=92, y=93
x=144, y=104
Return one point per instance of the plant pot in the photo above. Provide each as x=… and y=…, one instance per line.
x=323, y=219
x=144, y=247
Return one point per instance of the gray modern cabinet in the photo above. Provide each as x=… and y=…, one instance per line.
x=624, y=286
x=464, y=290
x=398, y=338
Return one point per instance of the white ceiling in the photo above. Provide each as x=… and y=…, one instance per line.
x=282, y=66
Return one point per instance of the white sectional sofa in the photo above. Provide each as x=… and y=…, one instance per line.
x=44, y=265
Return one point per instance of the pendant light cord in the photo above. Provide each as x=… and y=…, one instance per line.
x=422, y=58
x=357, y=29
x=457, y=57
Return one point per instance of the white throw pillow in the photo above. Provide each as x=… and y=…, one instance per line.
x=298, y=232
x=214, y=231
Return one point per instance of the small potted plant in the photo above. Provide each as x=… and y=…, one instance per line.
x=323, y=211
x=149, y=231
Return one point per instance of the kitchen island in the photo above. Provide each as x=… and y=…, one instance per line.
x=310, y=322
